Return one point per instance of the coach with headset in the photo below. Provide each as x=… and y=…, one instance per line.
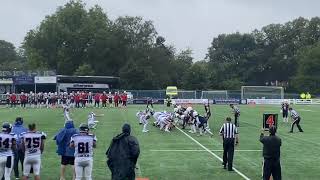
x=271, y=154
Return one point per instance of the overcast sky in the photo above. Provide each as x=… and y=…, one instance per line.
x=184, y=23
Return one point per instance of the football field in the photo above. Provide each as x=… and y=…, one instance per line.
x=179, y=155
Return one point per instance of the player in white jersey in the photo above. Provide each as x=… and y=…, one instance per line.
x=7, y=146
x=156, y=117
x=33, y=146
x=66, y=112
x=138, y=115
x=165, y=121
x=144, y=118
x=92, y=122
x=83, y=144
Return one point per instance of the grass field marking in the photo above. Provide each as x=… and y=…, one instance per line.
x=308, y=110
x=213, y=154
x=201, y=150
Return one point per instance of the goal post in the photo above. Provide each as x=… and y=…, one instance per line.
x=214, y=95
x=262, y=92
x=182, y=94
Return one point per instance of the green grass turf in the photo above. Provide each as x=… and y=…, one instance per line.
x=299, y=153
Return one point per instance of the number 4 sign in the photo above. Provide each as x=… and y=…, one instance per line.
x=269, y=120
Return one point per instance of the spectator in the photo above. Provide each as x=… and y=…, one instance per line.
x=123, y=154
x=13, y=100
x=63, y=142
x=18, y=129
x=116, y=99
x=124, y=99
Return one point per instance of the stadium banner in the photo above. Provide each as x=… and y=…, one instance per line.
x=306, y=101
x=45, y=79
x=144, y=101
x=23, y=80
x=227, y=101
x=6, y=81
x=191, y=101
x=267, y=101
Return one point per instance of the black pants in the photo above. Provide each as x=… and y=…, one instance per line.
x=271, y=167
x=149, y=104
x=228, y=151
x=18, y=156
x=236, y=119
x=297, y=122
x=23, y=104
x=185, y=122
x=96, y=103
x=284, y=113
x=120, y=171
x=13, y=104
x=104, y=103
x=116, y=175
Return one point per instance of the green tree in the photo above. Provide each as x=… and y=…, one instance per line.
x=228, y=59
x=180, y=65
x=307, y=77
x=84, y=70
x=65, y=39
x=7, y=51
x=196, y=76
x=10, y=58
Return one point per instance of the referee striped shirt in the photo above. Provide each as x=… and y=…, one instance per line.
x=228, y=130
x=294, y=114
x=236, y=110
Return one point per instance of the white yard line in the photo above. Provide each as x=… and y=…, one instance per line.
x=308, y=110
x=200, y=150
x=213, y=154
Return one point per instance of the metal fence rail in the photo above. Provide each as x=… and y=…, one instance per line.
x=161, y=94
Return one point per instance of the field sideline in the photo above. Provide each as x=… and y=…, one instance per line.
x=179, y=155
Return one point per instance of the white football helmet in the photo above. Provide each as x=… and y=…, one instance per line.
x=194, y=114
x=189, y=109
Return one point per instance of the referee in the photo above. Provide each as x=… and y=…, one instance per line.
x=229, y=133
x=271, y=154
x=236, y=112
x=296, y=120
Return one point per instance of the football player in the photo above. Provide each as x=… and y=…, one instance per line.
x=66, y=112
x=8, y=145
x=285, y=111
x=236, y=112
x=33, y=146
x=92, y=122
x=83, y=144
x=194, y=120
x=143, y=119
x=165, y=121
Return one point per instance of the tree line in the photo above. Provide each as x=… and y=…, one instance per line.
x=79, y=41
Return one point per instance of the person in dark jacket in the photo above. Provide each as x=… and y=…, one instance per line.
x=63, y=142
x=123, y=154
x=18, y=129
x=271, y=154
